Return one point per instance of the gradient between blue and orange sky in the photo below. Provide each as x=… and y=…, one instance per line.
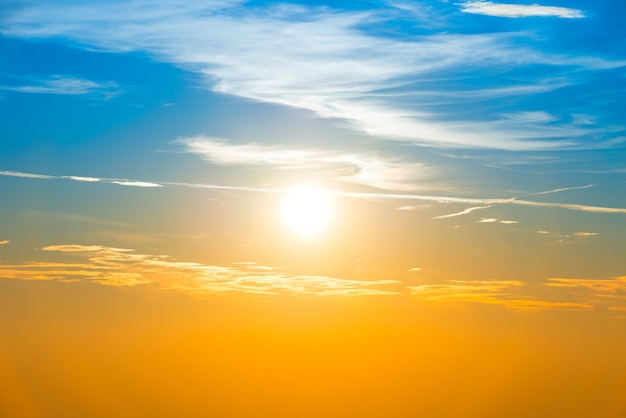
x=472, y=155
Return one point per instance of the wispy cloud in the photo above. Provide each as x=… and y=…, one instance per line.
x=564, y=189
x=325, y=61
x=120, y=182
x=64, y=85
x=113, y=266
x=463, y=212
x=123, y=267
x=586, y=234
x=133, y=183
x=368, y=169
x=490, y=292
x=5, y=242
x=607, y=293
x=519, y=10
x=496, y=220
x=612, y=286
x=26, y=175
x=342, y=193
x=563, y=237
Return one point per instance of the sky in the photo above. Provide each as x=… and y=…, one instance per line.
x=365, y=208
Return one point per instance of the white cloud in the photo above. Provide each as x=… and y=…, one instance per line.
x=315, y=59
x=64, y=85
x=519, y=10
x=488, y=220
x=368, y=169
x=134, y=183
x=25, y=175
x=496, y=220
x=87, y=179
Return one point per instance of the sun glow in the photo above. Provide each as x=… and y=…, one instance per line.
x=307, y=211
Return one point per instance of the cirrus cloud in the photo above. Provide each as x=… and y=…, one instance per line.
x=489, y=8
x=325, y=61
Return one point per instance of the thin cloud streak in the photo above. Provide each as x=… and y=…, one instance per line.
x=342, y=193
x=463, y=212
x=564, y=189
x=64, y=85
x=519, y=10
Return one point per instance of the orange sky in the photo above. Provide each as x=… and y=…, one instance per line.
x=85, y=350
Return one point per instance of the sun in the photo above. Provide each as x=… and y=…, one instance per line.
x=307, y=212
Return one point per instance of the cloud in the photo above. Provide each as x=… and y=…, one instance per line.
x=134, y=183
x=586, y=234
x=124, y=267
x=87, y=179
x=5, y=242
x=607, y=293
x=463, y=212
x=113, y=266
x=561, y=237
x=494, y=220
x=25, y=175
x=361, y=168
x=121, y=182
x=616, y=285
x=327, y=62
x=490, y=292
x=58, y=84
x=564, y=189
x=519, y=10
x=342, y=193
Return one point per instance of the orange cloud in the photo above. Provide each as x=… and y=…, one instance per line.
x=492, y=292
x=123, y=267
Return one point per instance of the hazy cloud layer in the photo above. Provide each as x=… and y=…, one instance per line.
x=124, y=267
x=325, y=61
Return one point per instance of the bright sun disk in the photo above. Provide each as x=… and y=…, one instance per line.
x=307, y=211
